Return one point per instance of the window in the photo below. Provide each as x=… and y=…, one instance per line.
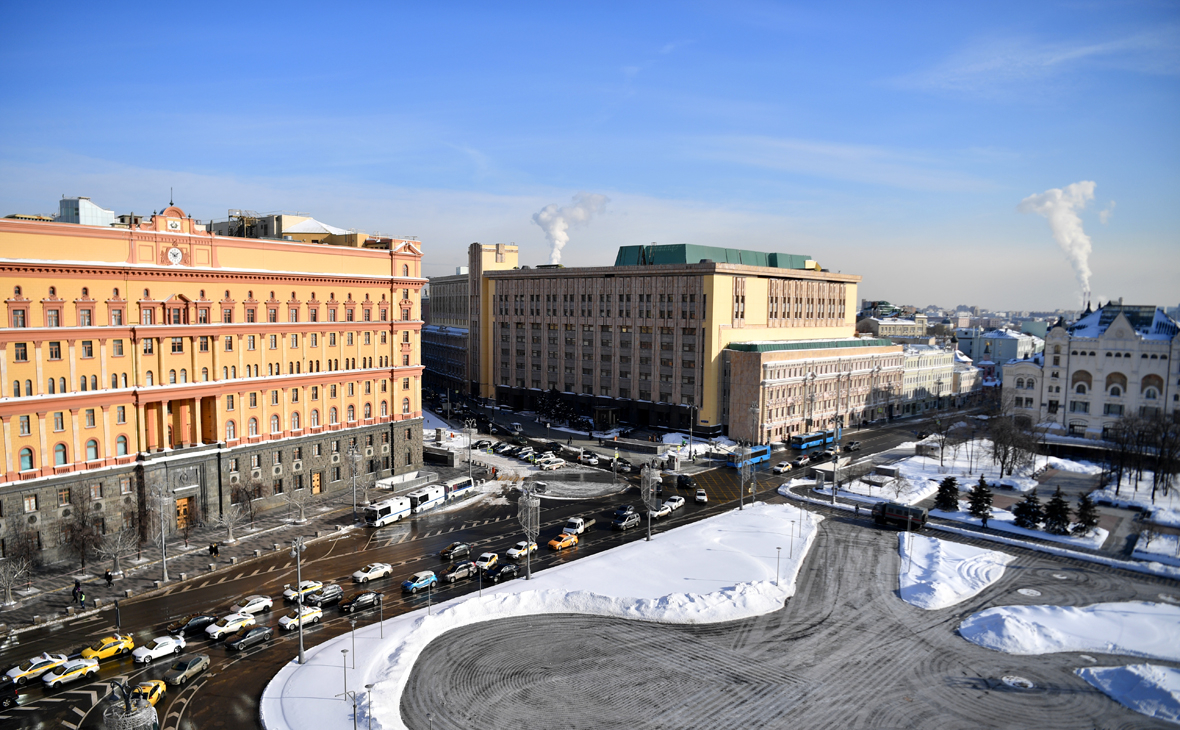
x=230, y=431
x=26, y=463
x=274, y=342
x=204, y=344
x=274, y=397
x=252, y=427
x=253, y=400
x=89, y=418
x=352, y=413
x=405, y=405
x=120, y=414
x=125, y=485
x=332, y=415
x=295, y=426
x=60, y=455
x=53, y=318
x=21, y=351
x=121, y=446
x=294, y=341
x=59, y=421
x=30, y=502
x=18, y=318
x=255, y=461
x=91, y=450
x=229, y=343
x=315, y=418
x=54, y=350
x=24, y=426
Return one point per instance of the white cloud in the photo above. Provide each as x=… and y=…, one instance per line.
x=1105, y=214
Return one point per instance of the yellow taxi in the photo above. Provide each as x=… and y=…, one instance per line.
x=35, y=667
x=563, y=541
x=150, y=691
x=109, y=646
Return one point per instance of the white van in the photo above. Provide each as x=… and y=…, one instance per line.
x=387, y=512
x=426, y=498
x=459, y=486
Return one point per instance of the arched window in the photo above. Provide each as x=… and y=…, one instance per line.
x=405, y=405
x=121, y=446
x=295, y=421
x=368, y=410
x=332, y=415
x=148, y=380
x=26, y=455
x=183, y=375
x=275, y=426
x=91, y=450
x=83, y=384
x=171, y=376
x=231, y=431
x=61, y=384
x=59, y=455
x=16, y=291
x=1020, y=383
x=252, y=427
x=114, y=381
x=204, y=375
x=405, y=269
x=1030, y=384
x=16, y=389
x=1150, y=394
x=1080, y=389
x=225, y=373
x=384, y=408
x=352, y=413
x=315, y=418
x=123, y=379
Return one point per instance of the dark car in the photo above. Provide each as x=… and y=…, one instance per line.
x=455, y=550
x=626, y=522
x=466, y=569
x=185, y=668
x=684, y=481
x=623, y=511
x=902, y=516
x=852, y=446
x=503, y=571
x=250, y=637
x=9, y=694
x=326, y=596
x=194, y=623
x=360, y=601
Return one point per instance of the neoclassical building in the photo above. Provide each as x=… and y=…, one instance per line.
x=1115, y=361
x=166, y=359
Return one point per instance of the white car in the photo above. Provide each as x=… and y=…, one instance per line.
x=308, y=614
x=252, y=604
x=487, y=560
x=521, y=549
x=71, y=671
x=588, y=458
x=661, y=511
x=304, y=587
x=372, y=571
x=674, y=502
x=158, y=647
x=782, y=467
x=702, y=497
x=551, y=464
x=229, y=624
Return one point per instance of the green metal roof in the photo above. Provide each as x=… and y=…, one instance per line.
x=686, y=253
x=807, y=345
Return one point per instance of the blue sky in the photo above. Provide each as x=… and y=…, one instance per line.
x=890, y=140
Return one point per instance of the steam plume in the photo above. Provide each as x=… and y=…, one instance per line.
x=556, y=221
x=1060, y=208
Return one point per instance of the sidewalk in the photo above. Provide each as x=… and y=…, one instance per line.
x=50, y=598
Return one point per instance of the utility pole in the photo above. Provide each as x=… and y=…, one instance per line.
x=297, y=548
x=354, y=456
x=161, y=497
x=471, y=431
x=529, y=515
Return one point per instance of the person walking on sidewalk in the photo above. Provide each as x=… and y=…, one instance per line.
x=77, y=591
x=82, y=599
x=216, y=551
x=210, y=549
x=110, y=579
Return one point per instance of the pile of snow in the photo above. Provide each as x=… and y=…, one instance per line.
x=720, y=569
x=1150, y=630
x=1158, y=548
x=1145, y=688
x=1005, y=521
x=1164, y=510
x=937, y=574
x=1080, y=467
x=700, y=446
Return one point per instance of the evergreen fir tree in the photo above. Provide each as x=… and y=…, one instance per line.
x=1057, y=515
x=947, y=498
x=1028, y=512
x=1087, y=516
x=979, y=500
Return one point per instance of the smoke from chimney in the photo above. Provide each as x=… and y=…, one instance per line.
x=1060, y=208
x=556, y=221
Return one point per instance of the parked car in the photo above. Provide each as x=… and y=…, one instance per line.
x=455, y=550
x=624, y=510
x=9, y=692
x=782, y=467
x=372, y=571
x=455, y=571
x=852, y=446
x=821, y=457
x=194, y=623
x=522, y=548
x=253, y=635
x=361, y=600
x=487, y=561
x=326, y=596
x=185, y=668
x=252, y=604
x=481, y=445
x=551, y=464
x=305, y=587
x=801, y=462
x=702, y=497
x=505, y=571
x=626, y=522
x=674, y=502
x=160, y=646
x=501, y=447
x=302, y=614
x=149, y=691
x=684, y=481
x=228, y=624
x=588, y=458
x=418, y=581
x=70, y=671
x=662, y=510
x=35, y=667
x=109, y=646
x=563, y=541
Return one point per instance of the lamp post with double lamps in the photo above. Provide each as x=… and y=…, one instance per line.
x=354, y=456
x=297, y=548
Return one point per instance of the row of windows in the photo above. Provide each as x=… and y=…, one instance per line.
x=276, y=425
x=61, y=453
x=32, y=502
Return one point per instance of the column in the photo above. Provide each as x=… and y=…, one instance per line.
x=108, y=452
x=6, y=443
x=199, y=415
x=141, y=429
x=79, y=455
x=73, y=366
x=182, y=422
x=44, y=441
x=285, y=426
x=102, y=356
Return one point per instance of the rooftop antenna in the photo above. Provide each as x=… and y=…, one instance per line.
x=170, y=196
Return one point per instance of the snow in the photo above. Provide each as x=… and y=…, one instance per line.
x=1134, y=628
x=1005, y=521
x=700, y=446
x=1148, y=689
x=1159, y=548
x=1165, y=510
x=720, y=569
x=936, y=574
x=1081, y=467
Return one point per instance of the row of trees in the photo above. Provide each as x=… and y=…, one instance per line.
x=1029, y=513
x=1142, y=444
x=552, y=408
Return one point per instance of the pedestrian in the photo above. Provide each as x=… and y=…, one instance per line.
x=984, y=518
x=216, y=550
x=77, y=590
x=210, y=549
x=569, y=441
x=110, y=579
x=858, y=509
x=82, y=598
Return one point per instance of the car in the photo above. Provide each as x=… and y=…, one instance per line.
x=852, y=446
x=801, y=462
x=35, y=667
x=662, y=510
x=70, y=671
x=522, y=548
x=506, y=571
x=563, y=541
x=622, y=465
x=194, y=623
x=455, y=550
x=501, y=447
x=588, y=458
x=481, y=445
x=624, y=510
x=702, y=497
x=487, y=560
x=418, y=581
x=626, y=522
x=674, y=502
x=361, y=600
x=551, y=464
x=9, y=692
x=150, y=692
x=822, y=457
x=782, y=467
x=326, y=596
x=253, y=635
x=372, y=571
x=540, y=487
x=252, y=604
x=301, y=615
x=227, y=624
x=684, y=481
x=526, y=453
x=158, y=647
x=185, y=668
x=109, y=646
x=304, y=587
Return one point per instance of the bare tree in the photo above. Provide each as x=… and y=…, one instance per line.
x=899, y=485
x=12, y=571
x=117, y=545
x=300, y=499
x=244, y=496
x=1165, y=438
x=231, y=517
x=80, y=525
x=942, y=431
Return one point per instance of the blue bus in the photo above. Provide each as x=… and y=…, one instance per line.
x=757, y=454
x=805, y=441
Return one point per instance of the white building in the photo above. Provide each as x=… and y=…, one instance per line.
x=81, y=210
x=1120, y=360
x=928, y=378
x=967, y=378
x=998, y=345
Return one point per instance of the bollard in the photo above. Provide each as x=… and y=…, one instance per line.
x=70, y=611
x=37, y=620
x=257, y=553
x=127, y=593
x=278, y=547
x=212, y=567
x=184, y=576
x=233, y=561
x=158, y=583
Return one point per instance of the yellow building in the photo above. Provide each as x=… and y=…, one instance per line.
x=165, y=358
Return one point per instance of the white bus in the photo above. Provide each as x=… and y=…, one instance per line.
x=387, y=512
x=459, y=486
x=426, y=498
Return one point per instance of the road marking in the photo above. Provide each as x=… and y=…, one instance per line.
x=224, y=578
x=69, y=725
x=204, y=584
x=256, y=572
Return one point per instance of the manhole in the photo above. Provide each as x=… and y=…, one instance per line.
x=1017, y=682
x=1169, y=598
x=1028, y=592
x=1061, y=576
x=1087, y=658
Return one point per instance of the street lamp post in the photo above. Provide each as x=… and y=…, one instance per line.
x=297, y=548
x=354, y=456
x=353, y=632
x=344, y=664
x=792, y=555
x=369, y=704
x=471, y=431
x=778, y=559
